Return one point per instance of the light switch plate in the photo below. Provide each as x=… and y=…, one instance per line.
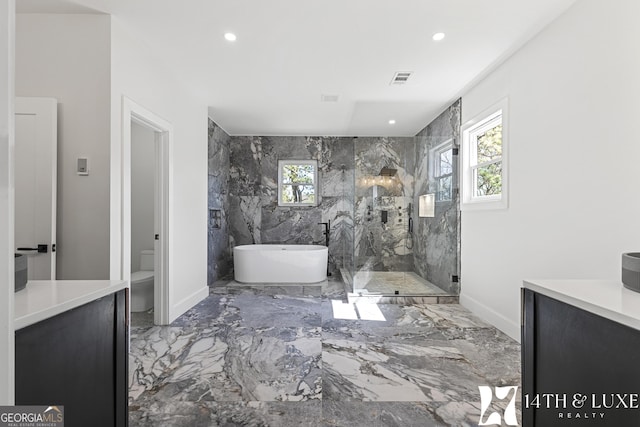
x=83, y=168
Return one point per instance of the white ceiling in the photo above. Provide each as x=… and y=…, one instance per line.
x=291, y=52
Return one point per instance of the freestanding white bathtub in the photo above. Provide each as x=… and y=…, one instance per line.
x=280, y=263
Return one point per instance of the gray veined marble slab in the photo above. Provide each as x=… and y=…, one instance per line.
x=243, y=183
x=437, y=240
x=379, y=414
x=218, y=252
x=252, y=308
x=241, y=364
x=333, y=287
x=252, y=359
x=259, y=414
x=398, y=369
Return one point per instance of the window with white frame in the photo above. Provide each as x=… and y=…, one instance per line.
x=484, y=180
x=297, y=182
x=442, y=167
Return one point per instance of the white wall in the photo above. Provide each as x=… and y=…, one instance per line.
x=7, y=34
x=574, y=102
x=144, y=79
x=142, y=191
x=68, y=57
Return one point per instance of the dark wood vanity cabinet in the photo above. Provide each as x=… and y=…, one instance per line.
x=78, y=359
x=584, y=369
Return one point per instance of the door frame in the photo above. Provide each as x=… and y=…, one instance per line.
x=133, y=112
x=47, y=111
x=7, y=188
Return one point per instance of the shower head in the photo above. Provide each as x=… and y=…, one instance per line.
x=387, y=171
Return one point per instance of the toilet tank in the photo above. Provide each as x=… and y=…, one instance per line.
x=146, y=260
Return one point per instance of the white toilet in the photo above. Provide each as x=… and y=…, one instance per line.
x=142, y=283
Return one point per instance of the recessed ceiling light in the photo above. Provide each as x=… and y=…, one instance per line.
x=230, y=37
x=392, y=122
x=438, y=36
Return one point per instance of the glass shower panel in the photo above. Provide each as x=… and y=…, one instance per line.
x=384, y=181
x=396, y=252
x=436, y=253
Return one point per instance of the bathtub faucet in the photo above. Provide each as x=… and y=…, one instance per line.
x=327, y=229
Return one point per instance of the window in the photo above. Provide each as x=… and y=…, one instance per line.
x=297, y=182
x=442, y=167
x=484, y=161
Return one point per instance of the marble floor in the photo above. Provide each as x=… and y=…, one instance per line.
x=260, y=357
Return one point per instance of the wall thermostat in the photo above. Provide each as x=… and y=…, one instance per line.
x=82, y=166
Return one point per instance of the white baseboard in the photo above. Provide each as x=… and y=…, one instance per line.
x=491, y=316
x=181, y=307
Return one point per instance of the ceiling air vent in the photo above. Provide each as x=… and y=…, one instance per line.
x=401, y=77
x=329, y=98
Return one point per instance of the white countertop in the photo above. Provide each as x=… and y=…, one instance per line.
x=608, y=299
x=42, y=299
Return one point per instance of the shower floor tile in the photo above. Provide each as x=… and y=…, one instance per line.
x=390, y=282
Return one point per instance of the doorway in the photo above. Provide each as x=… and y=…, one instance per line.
x=36, y=186
x=143, y=223
x=142, y=123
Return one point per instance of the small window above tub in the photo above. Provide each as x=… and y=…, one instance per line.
x=297, y=182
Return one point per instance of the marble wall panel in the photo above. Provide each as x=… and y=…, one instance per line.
x=383, y=246
x=218, y=255
x=245, y=220
x=339, y=211
x=436, y=250
x=352, y=196
x=372, y=154
x=337, y=166
x=337, y=171
x=291, y=225
x=255, y=216
x=245, y=169
x=274, y=149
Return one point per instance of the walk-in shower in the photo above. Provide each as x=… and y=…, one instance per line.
x=396, y=250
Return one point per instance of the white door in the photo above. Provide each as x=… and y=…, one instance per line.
x=35, y=183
